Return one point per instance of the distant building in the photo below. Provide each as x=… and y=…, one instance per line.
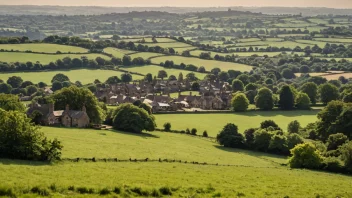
x=67, y=117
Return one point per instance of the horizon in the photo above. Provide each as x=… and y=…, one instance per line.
x=339, y=4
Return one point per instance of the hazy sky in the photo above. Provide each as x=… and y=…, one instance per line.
x=185, y=3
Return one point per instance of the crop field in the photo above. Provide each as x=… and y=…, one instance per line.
x=213, y=123
x=42, y=58
x=85, y=76
x=207, y=64
x=43, y=47
x=153, y=69
x=336, y=76
x=256, y=174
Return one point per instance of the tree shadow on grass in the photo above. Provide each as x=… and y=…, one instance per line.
x=273, y=113
x=142, y=135
x=23, y=162
x=257, y=154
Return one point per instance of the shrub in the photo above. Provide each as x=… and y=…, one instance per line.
x=188, y=131
x=346, y=155
x=117, y=190
x=262, y=140
x=278, y=144
x=293, y=140
x=240, y=102
x=194, y=131
x=71, y=188
x=333, y=164
x=167, y=126
x=293, y=127
x=269, y=123
x=305, y=156
x=20, y=139
x=335, y=140
x=229, y=137
x=82, y=190
x=128, y=117
x=165, y=191
x=155, y=193
x=249, y=135
x=205, y=134
x=104, y=191
x=6, y=192
x=40, y=191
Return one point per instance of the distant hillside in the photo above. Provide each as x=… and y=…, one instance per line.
x=85, y=10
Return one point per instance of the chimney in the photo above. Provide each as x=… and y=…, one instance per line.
x=190, y=93
x=51, y=107
x=84, y=109
x=67, y=107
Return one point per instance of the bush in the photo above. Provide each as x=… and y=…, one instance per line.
x=117, y=190
x=305, y=156
x=333, y=164
x=128, y=117
x=165, y=191
x=188, y=131
x=293, y=140
x=155, y=193
x=335, y=140
x=249, y=135
x=240, y=102
x=293, y=127
x=20, y=139
x=194, y=131
x=104, y=191
x=205, y=134
x=262, y=140
x=346, y=155
x=40, y=191
x=229, y=137
x=269, y=123
x=167, y=126
x=278, y=144
x=6, y=192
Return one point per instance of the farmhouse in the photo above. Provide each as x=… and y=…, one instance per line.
x=67, y=117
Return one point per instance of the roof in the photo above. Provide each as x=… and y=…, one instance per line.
x=58, y=113
x=76, y=114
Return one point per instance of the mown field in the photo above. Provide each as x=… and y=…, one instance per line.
x=42, y=58
x=43, y=47
x=207, y=64
x=84, y=75
x=153, y=69
x=257, y=174
x=213, y=123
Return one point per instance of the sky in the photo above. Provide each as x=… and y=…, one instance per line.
x=186, y=3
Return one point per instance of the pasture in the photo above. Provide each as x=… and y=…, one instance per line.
x=257, y=174
x=207, y=64
x=241, y=54
x=11, y=57
x=85, y=76
x=43, y=47
x=153, y=69
x=118, y=53
x=213, y=123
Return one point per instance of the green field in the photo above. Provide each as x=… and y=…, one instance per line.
x=256, y=174
x=207, y=64
x=42, y=58
x=84, y=75
x=145, y=55
x=118, y=53
x=241, y=54
x=43, y=47
x=213, y=123
x=155, y=69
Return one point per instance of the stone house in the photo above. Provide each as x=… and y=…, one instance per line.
x=67, y=117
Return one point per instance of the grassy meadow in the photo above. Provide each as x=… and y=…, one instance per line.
x=213, y=123
x=84, y=75
x=207, y=64
x=257, y=174
x=42, y=58
x=43, y=47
